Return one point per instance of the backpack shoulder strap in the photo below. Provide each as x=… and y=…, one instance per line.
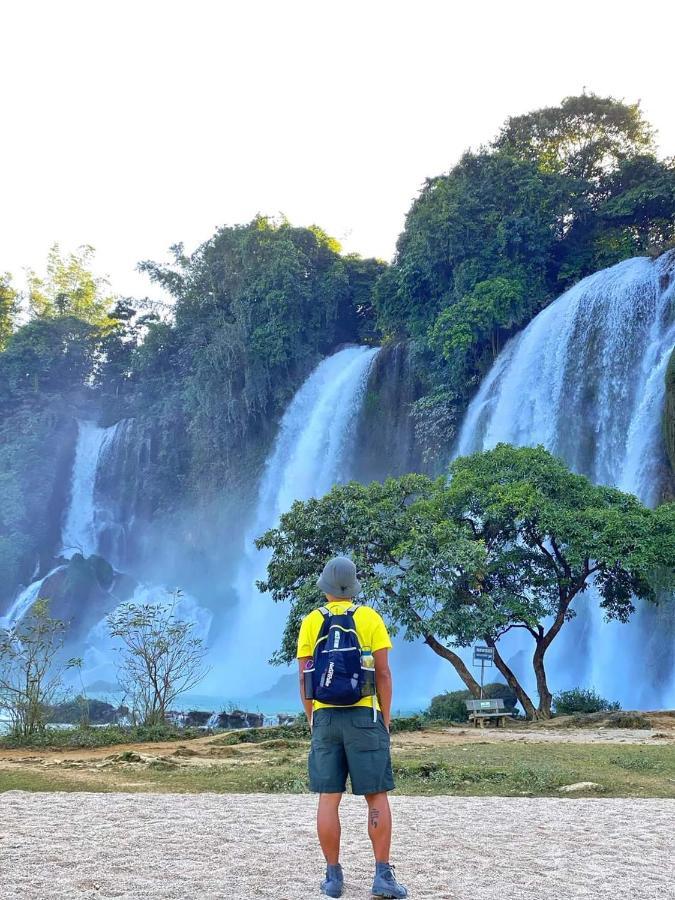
x=325, y=626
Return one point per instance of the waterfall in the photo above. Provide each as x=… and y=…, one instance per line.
x=81, y=523
x=312, y=452
x=83, y=519
x=23, y=602
x=586, y=379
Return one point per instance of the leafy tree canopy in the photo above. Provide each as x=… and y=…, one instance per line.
x=585, y=137
x=69, y=288
x=256, y=307
x=508, y=543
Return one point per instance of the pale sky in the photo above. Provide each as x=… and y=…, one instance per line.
x=134, y=125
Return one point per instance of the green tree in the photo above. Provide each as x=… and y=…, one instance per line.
x=585, y=137
x=47, y=355
x=561, y=192
x=9, y=301
x=474, y=325
x=69, y=288
x=256, y=307
x=508, y=543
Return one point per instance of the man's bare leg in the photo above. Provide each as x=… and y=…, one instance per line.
x=328, y=826
x=379, y=825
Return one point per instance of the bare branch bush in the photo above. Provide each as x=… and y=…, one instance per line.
x=30, y=677
x=159, y=658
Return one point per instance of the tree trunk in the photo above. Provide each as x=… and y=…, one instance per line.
x=456, y=661
x=545, y=697
x=513, y=683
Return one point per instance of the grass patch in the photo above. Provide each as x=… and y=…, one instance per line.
x=108, y=735
x=618, y=719
x=279, y=765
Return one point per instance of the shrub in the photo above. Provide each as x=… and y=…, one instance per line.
x=449, y=706
x=271, y=732
x=407, y=723
x=582, y=700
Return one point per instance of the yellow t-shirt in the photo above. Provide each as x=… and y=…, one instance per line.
x=370, y=629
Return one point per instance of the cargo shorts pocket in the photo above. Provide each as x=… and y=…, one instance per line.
x=369, y=736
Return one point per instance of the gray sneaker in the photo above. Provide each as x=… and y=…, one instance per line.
x=385, y=883
x=333, y=882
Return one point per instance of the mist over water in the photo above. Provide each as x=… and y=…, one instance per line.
x=586, y=380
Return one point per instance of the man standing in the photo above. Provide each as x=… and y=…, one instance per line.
x=350, y=739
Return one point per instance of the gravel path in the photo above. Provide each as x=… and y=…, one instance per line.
x=166, y=846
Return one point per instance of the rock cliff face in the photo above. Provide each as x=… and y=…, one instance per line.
x=386, y=440
x=36, y=453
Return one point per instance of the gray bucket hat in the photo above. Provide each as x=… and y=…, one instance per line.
x=339, y=578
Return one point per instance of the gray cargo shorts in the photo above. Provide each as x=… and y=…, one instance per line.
x=346, y=741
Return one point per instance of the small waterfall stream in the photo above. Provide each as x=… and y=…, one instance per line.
x=80, y=527
x=586, y=380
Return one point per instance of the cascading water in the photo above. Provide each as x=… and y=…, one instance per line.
x=313, y=451
x=23, y=602
x=586, y=380
x=83, y=519
x=80, y=529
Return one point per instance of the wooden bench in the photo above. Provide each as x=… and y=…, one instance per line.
x=482, y=712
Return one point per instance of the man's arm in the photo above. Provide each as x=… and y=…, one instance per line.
x=383, y=683
x=306, y=703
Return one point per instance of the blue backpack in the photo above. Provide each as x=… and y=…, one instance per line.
x=336, y=675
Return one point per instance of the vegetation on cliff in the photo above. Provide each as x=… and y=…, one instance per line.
x=255, y=308
x=559, y=194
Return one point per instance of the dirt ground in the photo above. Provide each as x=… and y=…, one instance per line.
x=169, y=847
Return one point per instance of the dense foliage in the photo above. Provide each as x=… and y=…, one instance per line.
x=561, y=192
x=582, y=700
x=8, y=308
x=508, y=543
